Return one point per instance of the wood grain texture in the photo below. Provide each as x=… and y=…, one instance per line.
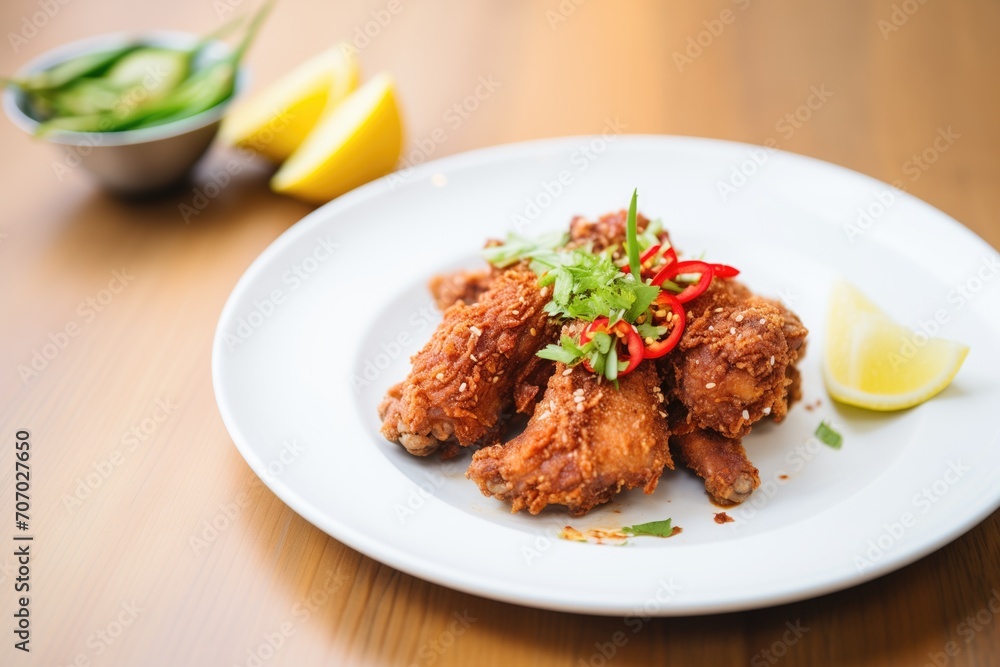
x=268, y=577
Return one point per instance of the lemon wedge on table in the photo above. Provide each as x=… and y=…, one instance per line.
x=353, y=143
x=872, y=362
x=277, y=120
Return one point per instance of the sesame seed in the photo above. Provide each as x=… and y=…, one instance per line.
x=718, y=310
x=767, y=411
x=473, y=357
x=495, y=378
x=772, y=360
x=579, y=399
x=534, y=331
x=516, y=312
x=567, y=371
x=578, y=392
x=763, y=320
x=739, y=318
x=476, y=330
x=440, y=376
x=579, y=407
x=659, y=398
x=746, y=414
x=711, y=328
x=662, y=413
x=710, y=385
x=545, y=291
x=462, y=387
x=732, y=330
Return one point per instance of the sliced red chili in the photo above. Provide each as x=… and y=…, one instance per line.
x=691, y=266
x=670, y=255
x=659, y=348
x=632, y=339
x=725, y=271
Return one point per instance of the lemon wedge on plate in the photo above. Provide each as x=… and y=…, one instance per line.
x=872, y=362
x=353, y=143
x=276, y=121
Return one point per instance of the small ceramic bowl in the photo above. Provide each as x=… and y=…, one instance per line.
x=132, y=162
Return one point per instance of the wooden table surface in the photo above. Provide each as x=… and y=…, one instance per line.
x=132, y=463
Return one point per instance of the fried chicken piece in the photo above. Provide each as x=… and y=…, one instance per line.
x=607, y=231
x=468, y=285
x=464, y=286
x=480, y=361
x=586, y=442
x=722, y=462
x=731, y=366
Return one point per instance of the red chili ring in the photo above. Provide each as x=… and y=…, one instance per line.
x=659, y=348
x=691, y=266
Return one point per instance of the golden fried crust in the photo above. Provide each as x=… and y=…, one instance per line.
x=730, y=369
x=729, y=476
x=461, y=286
x=586, y=442
x=607, y=231
x=467, y=375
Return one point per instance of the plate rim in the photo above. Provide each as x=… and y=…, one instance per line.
x=428, y=570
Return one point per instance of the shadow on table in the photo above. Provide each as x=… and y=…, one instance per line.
x=905, y=618
x=105, y=230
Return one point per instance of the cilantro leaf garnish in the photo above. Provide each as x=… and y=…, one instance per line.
x=828, y=436
x=517, y=248
x=655, y=528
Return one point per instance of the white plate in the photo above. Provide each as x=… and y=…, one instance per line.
x=311, y=338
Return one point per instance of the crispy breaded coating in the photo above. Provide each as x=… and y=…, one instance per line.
x=722, y=462
x=731, y=366
x=464, y=286
x=472, y=370
x=586, y=442
x=607, y=231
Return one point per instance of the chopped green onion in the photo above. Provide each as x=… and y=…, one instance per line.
x=828, y=436
x=631, y=237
